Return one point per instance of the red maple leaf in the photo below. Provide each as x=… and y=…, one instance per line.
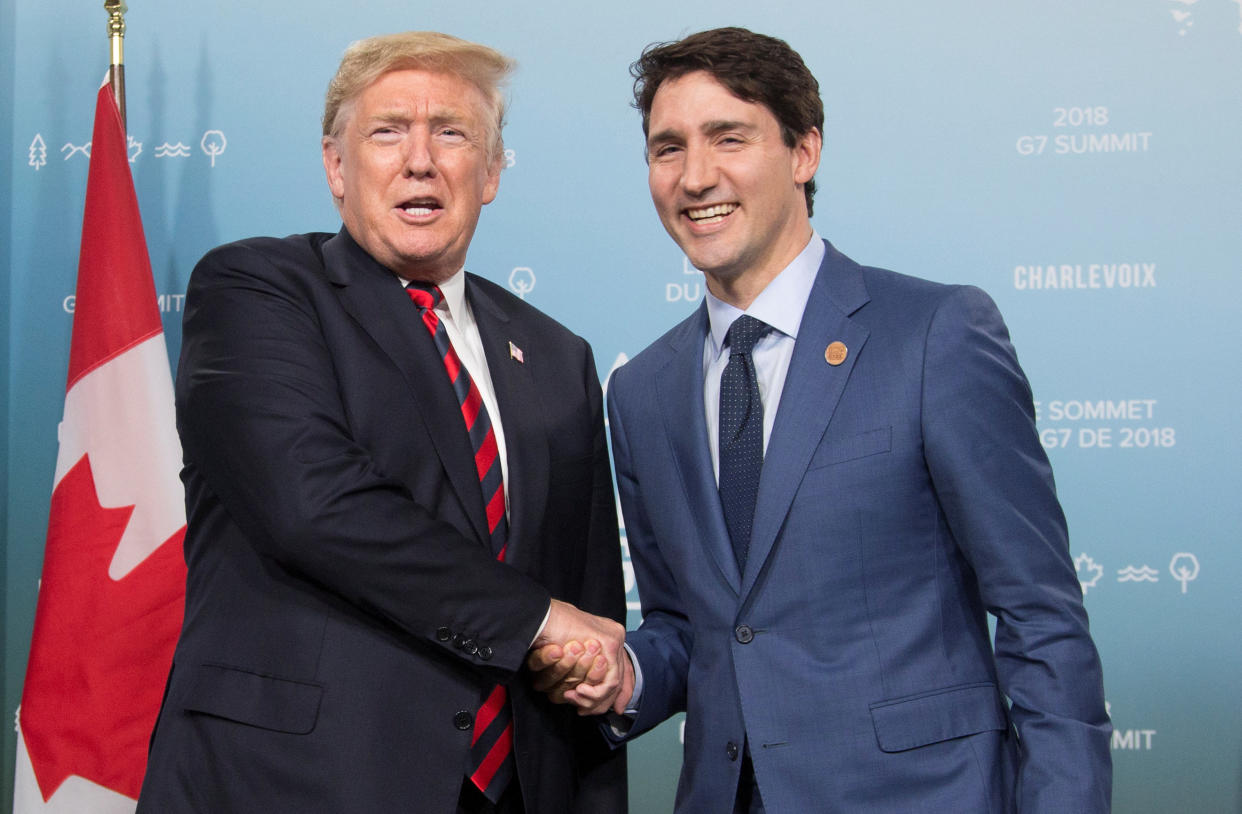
x=101, y=648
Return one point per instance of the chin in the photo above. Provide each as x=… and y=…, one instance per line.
x=723, y=268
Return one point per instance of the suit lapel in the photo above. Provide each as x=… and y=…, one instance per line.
x=680, y=388
x=373, y=296
x=810, y=395
x=518, y=398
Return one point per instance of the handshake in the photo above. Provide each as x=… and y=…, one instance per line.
x=579, y=659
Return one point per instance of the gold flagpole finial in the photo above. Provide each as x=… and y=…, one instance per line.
x=116, y=35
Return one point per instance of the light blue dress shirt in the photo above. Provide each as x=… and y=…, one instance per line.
x=780, y=305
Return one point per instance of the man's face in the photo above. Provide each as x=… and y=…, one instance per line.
x=725, y=185
x=410, y=171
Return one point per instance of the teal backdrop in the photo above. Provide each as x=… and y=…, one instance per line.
x=1082, y=162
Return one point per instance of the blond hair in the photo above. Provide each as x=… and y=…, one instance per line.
x=367, y=60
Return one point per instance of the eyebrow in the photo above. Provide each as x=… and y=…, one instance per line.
x=388, y=116
x=439, y=116
x=709, y=128
x=721, y=125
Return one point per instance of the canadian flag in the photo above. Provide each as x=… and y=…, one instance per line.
x=111, y=596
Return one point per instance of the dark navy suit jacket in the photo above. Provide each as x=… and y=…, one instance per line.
x=904, y=497
x=344, y=614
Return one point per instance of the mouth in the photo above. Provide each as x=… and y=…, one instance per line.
x=706, y=215
x=420, y=207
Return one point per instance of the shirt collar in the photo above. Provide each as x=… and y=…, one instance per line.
x=454, y=291
x=781, y=302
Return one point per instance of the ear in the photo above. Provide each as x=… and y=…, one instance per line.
x=333, y=167
x=492, y=185
x=806, y=155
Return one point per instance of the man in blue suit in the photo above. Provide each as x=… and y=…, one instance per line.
x=830, y=476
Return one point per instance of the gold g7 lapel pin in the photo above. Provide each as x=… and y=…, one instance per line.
x=835, y=353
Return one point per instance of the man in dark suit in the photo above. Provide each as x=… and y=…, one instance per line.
x=829, y=477
x=392, y=493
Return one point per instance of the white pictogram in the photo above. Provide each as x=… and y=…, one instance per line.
x=38, y=152
x=1185, y=568
x=522, y=281
x=85, y=150
x=213, y=144
x=1141, y=574
x=1184, y=15
x=511, y=155
x=177, y=150
x=1089, y=572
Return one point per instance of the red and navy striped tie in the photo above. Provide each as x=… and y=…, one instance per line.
x=491, y=750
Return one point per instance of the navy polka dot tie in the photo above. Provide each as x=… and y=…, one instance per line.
x=741, y=433
x=491, y=750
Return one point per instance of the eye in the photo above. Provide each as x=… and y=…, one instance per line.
x=665, y=150
x=386, y=134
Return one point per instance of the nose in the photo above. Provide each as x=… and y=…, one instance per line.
x=419, y=162
x=699, y=173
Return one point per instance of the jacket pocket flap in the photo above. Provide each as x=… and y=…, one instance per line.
x=872, y=442
x=279, y=704
x=907, y=723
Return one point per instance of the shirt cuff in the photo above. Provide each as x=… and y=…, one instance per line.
x=546, y=616
x=620, y=724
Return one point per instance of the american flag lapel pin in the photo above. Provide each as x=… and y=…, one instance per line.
x=516, y=353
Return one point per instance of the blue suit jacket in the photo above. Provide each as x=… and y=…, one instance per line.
x=904, y=496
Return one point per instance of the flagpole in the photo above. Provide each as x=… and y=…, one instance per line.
x=116, y=34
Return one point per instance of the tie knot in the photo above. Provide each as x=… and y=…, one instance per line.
x=425, y=295
x=744, y=333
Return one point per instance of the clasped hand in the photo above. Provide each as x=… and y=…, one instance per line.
x=579, y=659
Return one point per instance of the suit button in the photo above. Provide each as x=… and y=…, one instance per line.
x=469, y=646
x=744, y=634
x=485, y=653
x=443, y=634
x=463, y=720
x=458, y=639
x=731, y=750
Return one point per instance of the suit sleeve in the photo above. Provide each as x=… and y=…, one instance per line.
x=995, y=485
x=664, y=640
x=262, y=420
x=603, y=592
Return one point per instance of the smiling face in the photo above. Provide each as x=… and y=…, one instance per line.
x=411, y=171
x=726, y=186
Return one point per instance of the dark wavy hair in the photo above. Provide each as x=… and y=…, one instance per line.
x=754, y=67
